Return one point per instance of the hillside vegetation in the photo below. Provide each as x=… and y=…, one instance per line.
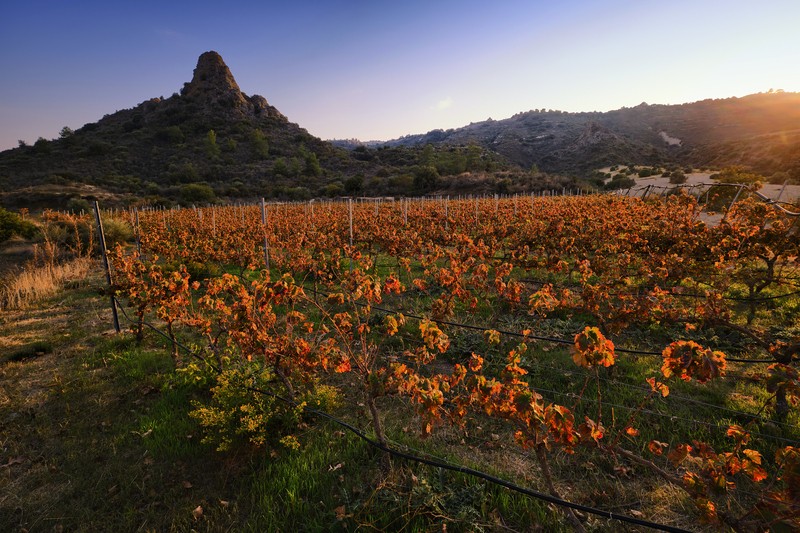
x=213, y=141
x=759, y=131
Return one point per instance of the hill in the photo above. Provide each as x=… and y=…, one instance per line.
x=211, y=132
x=761, y=131
x=210, y=140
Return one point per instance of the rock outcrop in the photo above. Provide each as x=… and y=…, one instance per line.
x=213, y=86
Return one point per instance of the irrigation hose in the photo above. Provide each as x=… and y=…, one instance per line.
x=435, y=463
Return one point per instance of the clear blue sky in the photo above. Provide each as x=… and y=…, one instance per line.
x=381, y=69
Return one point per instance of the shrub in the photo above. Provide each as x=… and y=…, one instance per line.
x=779, y=178
x=402, y=184
x=13, y=224
x=425, y=178
x=333, y=189
x=620, y=181
x=677, y=177
x=737, y=174
x=116, y=231
x=259, y=145
x=354, y=184
x=197, y=193
x=76, y=205
x=237, y=416
x=171, y=134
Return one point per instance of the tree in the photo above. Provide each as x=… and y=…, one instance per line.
x=427, y=157
x=230, y=146
x=312, y=167
x=354, y=184
x=42, y=145
x=65, y=132
x=280, y=168
x=333, y=189
x=197, y=193
x=212, y=149
x=474, y=162
x=171, y=134
x=425, y=178
x=259, y=145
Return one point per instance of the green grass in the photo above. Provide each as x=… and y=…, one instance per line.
x=112, y=447
x=112, y=444
x=28, y=351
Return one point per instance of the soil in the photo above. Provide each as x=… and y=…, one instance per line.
x=791, y=193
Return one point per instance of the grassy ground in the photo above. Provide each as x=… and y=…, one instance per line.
x=95, y=436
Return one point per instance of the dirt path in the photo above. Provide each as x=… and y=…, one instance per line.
x=790, y=193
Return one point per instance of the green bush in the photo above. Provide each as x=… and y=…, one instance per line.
x=738, y=174
x=677, y=177
x=333, y=189
x=197, y=193
x=116, y=231
x=779, y=178
x=236, y=416
x=426, y=178
x=620, y=181
x=76, y=205
x=354, y=184
x=171, y=135
x=13, y=224
x=402, y=184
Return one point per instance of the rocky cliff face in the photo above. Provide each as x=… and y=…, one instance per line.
x=213, y=86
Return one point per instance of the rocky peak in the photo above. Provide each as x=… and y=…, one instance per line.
x=213, y=82
x=214, y=87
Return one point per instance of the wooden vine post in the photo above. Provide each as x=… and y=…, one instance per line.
x=350, y=219
x=136, y=231
x=106, y=266
x=264, y=226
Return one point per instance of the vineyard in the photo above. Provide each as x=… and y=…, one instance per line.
x=588, y=347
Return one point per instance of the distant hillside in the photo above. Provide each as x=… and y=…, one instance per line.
x=760, y=131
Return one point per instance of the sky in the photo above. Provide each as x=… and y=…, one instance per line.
x=378, y=70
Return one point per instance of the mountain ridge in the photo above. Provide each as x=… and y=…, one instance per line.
x=211, y=140
x=647, y=134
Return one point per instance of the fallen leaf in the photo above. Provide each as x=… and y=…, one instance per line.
x=340, y=512
x=198, y=512
x=623, y=470
x=224, y=503
x=187, y=485
x=15, y=460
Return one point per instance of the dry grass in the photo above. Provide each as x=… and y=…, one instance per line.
x=34, y=284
